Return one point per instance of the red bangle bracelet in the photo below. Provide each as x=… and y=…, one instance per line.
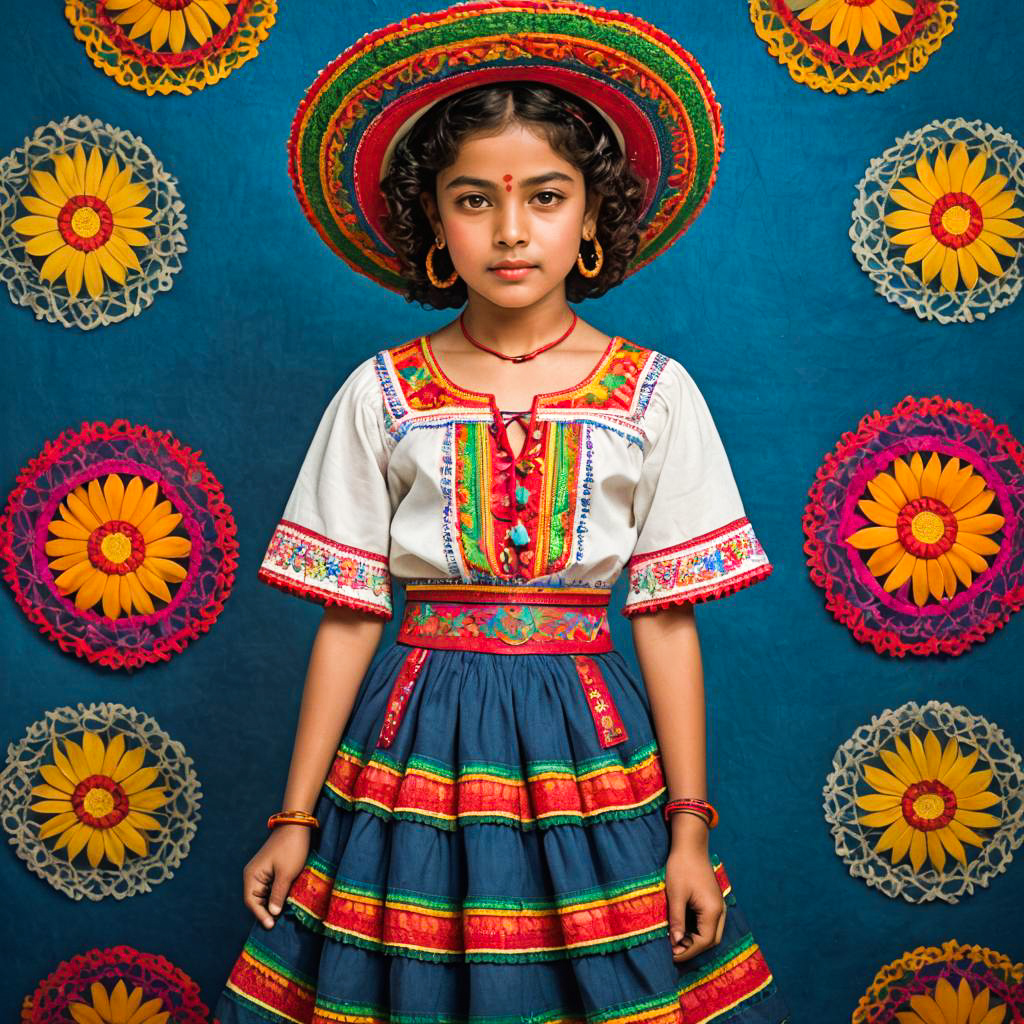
x=693, y=805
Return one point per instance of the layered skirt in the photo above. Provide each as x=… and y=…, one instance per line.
x=491, y=846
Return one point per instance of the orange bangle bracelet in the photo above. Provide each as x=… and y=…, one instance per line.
x=292, y=818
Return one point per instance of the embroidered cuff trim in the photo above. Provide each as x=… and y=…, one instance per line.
x=305, y=563
x=705, y=567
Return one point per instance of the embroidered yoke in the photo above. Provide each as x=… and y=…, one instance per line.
x=411, y=477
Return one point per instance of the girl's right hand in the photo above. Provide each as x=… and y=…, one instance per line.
x=268, y=877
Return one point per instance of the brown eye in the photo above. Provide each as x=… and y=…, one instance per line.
x=555, y=197
x=464, y=199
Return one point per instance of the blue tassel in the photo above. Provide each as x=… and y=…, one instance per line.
x=518, y=534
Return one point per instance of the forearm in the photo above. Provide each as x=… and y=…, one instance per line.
x=345, y=643
x=668, y=652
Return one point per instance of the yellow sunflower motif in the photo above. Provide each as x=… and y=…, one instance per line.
x=931, y=526
x=84, y=220
x=849, y=21
x=927, y=801
x=118, y=1007
x=953, y=1006
x=113, y=543
x=97, y=796
x=170, y=22
x=954, y=219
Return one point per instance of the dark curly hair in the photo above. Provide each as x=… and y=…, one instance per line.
x=572, y=129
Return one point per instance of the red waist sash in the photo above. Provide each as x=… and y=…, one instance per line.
x=506, y=618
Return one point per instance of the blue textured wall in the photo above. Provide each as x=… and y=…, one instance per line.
x=762, y=301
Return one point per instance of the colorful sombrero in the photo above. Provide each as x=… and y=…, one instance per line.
x=653, y=93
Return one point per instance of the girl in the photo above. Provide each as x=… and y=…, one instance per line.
x=477, y=823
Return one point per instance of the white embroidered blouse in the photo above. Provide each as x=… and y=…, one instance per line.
x=410, y=477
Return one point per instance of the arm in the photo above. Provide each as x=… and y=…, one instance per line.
x=345, y=643
x=668, y=652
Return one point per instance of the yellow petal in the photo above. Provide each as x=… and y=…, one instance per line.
x=165, y=569
x=906, y=219
x=950, y=274
x=49, y=188
x=933, y=263
x=140, y=598
x=872, y=537
x=918, y=852
x=957, y=167
x=927, y=178
x=967, y=267
x=974, y=783
x=978, y=544
x=942, y=170
x=111, y=602
x=73, y=275
x=954, y=846
x=170, y=547
x=906, y=479
x=937, y=855
x=883, y=781
x=960, y=769
x=93, y=275
x=132, y=493
x=883, y=515
x=989, y=188
x=885, y=558
x=919, y=582
x=985, y=257
x=111, y=267
x=44, y=244
x=901, y=572
x=987, y=523
x=145, y=504
x=974, y=173
x=34, y=224
x=56, y=263
x=91, y=590
x=153, y=582
x=932, y=753
x=92, y=748
x=161, y=527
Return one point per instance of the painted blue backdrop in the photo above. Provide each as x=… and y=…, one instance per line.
x=763, y=302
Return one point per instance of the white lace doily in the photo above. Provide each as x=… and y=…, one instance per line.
x=159, y=258
x=855, y=841
x=884, y=261
x=130, y=780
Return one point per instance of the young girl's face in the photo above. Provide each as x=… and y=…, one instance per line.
x=511, y=197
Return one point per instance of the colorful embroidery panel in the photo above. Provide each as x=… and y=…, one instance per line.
x=91, y=225
x=936, y=221
x=842, y=47
x=953, y=983
x=517, y=515
x=161, y=48
x=99, y=801
x=607, y=720
x=914, y=528
x=117, y=983
x=706, y=567
x=923, y=802
x=118, y=544
x=519, y=628
x=398, y=700
x=310, y=565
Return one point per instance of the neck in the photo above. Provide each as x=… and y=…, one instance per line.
x=514, y=330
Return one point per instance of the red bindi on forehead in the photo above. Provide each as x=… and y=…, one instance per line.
x=507, y=179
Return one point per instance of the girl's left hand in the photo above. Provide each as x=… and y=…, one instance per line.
x=690, y=883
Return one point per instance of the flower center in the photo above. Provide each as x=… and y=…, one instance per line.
x=956, y=220
x=929, y=805
x=116, y=548
x=85, y=223
x=926, y=527
x=99, y=801
x=173, y=5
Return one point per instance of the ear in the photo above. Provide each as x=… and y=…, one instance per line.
x=590, y=217
x=429, y=205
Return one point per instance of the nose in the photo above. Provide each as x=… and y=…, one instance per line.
x=510, y=229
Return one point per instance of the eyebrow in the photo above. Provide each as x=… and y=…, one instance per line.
x=538, y=179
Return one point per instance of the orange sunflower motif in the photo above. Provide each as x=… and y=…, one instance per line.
x=849, y=21
x=97, y=796
x=84, y=220
x=953, y=219
x=118, y=1007
x=928, y=801
x=948, y=1005
x=932, y=526
x=113, y=543
x=171, y=22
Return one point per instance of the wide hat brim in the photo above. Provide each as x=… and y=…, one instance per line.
x=650, y=89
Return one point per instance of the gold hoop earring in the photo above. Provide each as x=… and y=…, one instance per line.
x=598, y=256
x=434, y=279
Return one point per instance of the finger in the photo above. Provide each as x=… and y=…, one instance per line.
x=720, y=930
x=677, y=915
x=256, y=901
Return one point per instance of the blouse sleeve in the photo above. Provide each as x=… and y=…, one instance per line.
x=694, y=541
x=331, y=543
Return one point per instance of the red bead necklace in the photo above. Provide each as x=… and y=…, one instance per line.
x=525, y=355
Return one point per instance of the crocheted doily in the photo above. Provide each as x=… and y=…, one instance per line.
x=118, y=544
x=75, y=246
x=170, y=47
x=842, y=47
x=926, y=802
x=115, y=984
x=955, y=983
x=914, y=528
x=99, y=801
x=936, y=221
